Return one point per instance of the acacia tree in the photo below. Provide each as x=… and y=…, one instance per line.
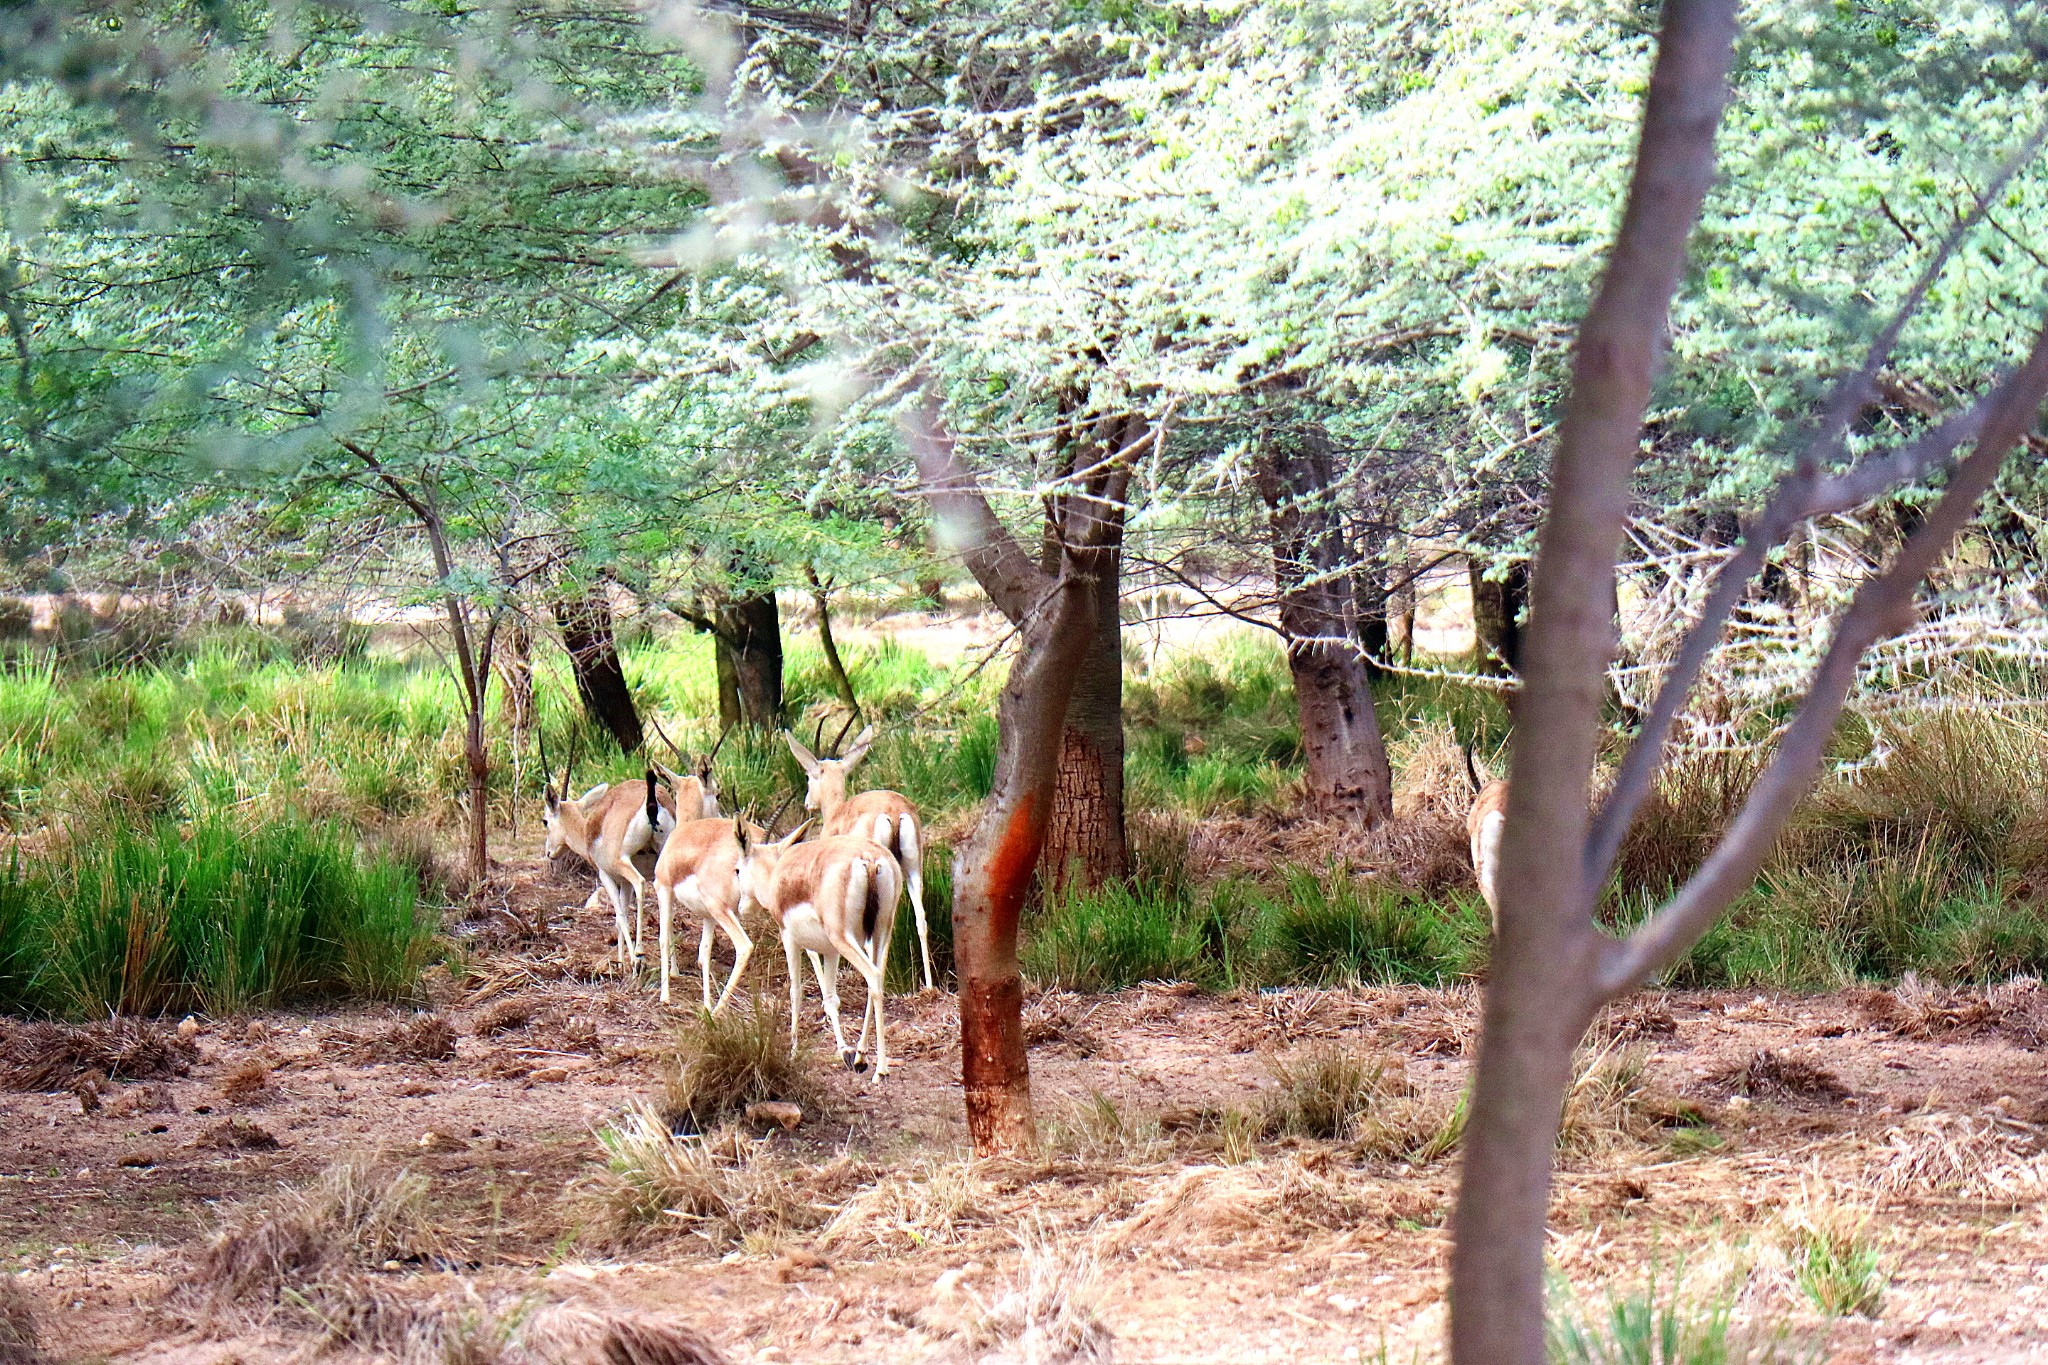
x=1054, y=602
x=1554, y=967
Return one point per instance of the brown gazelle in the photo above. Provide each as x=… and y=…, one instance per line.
x=886, y=817
x=833, y=897
x=1483, y=825
x=700, y=867
x=606, y=826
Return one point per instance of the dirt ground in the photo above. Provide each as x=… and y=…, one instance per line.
x=1178, y=1242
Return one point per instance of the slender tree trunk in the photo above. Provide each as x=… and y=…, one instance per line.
x=1497, y=606
x=1547, y=942
x=841, y=682
x=729, y=713
x=1349, y=777
x=515, y=673
x=750, y=628
x=586, y=624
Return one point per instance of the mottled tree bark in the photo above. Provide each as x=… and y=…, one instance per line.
x=515, y=672
x=1348, y=774
x=1498, y=601
x=585, y=620
x=750, y=628
x=992, y=872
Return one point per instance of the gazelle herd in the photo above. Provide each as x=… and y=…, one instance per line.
x=832, y=898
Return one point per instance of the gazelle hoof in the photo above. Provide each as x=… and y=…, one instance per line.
x=852, y=1060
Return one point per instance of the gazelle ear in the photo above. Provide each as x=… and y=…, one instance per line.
x=743, y=832
x=795, y=834
x=550, y=802
x=804, y=756
x=861, y=744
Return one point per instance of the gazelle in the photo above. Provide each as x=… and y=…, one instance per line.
x=886, y=817
x=833, y=897
x=700, y=867
x=698, y=792
x=1483, y=826
x=606, y=826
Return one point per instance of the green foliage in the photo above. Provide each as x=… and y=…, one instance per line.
x=1664, y=1324
x=1333, y=929
x=217, y=918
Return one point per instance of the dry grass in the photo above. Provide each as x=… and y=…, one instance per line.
x=502, y=1015
x=719, y=1187
x=21, y=1341
x=45, y=1056
x=424, y=1037
x=1045, y=1315
x=934, y=1203
x=1835, y=1260
x=1612, y=1102
x=247, y=1082
x=1989, y=1157
x=1766, y=1074
x=1917, y=1008
x=457, y=1324
x=721, y=1065
x=1328, y=1090
x=352, y=1216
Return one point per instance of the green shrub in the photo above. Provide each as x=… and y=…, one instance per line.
x=1664, y=1325
x=221, y=919
x=1113, y=937
x=1330, y=928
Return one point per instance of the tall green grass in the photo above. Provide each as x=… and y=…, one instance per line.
x=215, y=918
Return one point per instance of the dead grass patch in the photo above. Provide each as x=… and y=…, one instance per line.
x=1767, y=1074
x=2017, y=1009
x=247, y=1082
x=424, y=1037
x=939, y=1203
x=1329, y=1090
x=1047, y=1314
x=458, y=1324
x=236, y=1135
x=351, y=1216
x=21, y=1340
x=501, y=1015
x=1612, y=1102
x=721, y=1187
x=1988, y=1156
x=721, y=1065
x=43, y=1056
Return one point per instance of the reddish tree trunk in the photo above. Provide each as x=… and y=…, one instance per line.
x=992, y=871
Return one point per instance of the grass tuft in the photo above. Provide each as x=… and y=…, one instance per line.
x=1835, y=1258
x=1328, y=1090
x=721, y=1065
x=46, y=1056
x=1661, y=1325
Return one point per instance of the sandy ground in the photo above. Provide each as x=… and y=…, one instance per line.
x=1184, y=1248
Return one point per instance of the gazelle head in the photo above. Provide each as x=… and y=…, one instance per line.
x=828, y=775
x=702, y=771
x=760, y=856
x=565, y=818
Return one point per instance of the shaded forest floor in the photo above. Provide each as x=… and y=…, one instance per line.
x=1163, y=1223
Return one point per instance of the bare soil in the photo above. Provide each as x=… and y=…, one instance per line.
x=1926, y=1110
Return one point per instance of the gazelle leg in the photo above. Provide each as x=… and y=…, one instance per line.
x=664, y=898
x=704, y=958
x=627, y=951
x=913, y=881
x=796, y=990
x=742, y=949
x=827, y=971
x=872, y=974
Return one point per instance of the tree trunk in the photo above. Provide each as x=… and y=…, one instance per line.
x=1349, y=777
x=1497, y=605
x=834, y=665
x=1370, y=600
x=729, y=713
x=1547, y=943
x=515, y=672
x=1086, y=843
x=750, y=629
x=586, y=624
x=992, y=871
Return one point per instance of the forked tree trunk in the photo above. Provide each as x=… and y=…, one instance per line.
x=1370, y=599
x=1349, y=777
x=842, y=683
x=992, y=871
x=585, y=620
x=1498, y=602
x=750, y=629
